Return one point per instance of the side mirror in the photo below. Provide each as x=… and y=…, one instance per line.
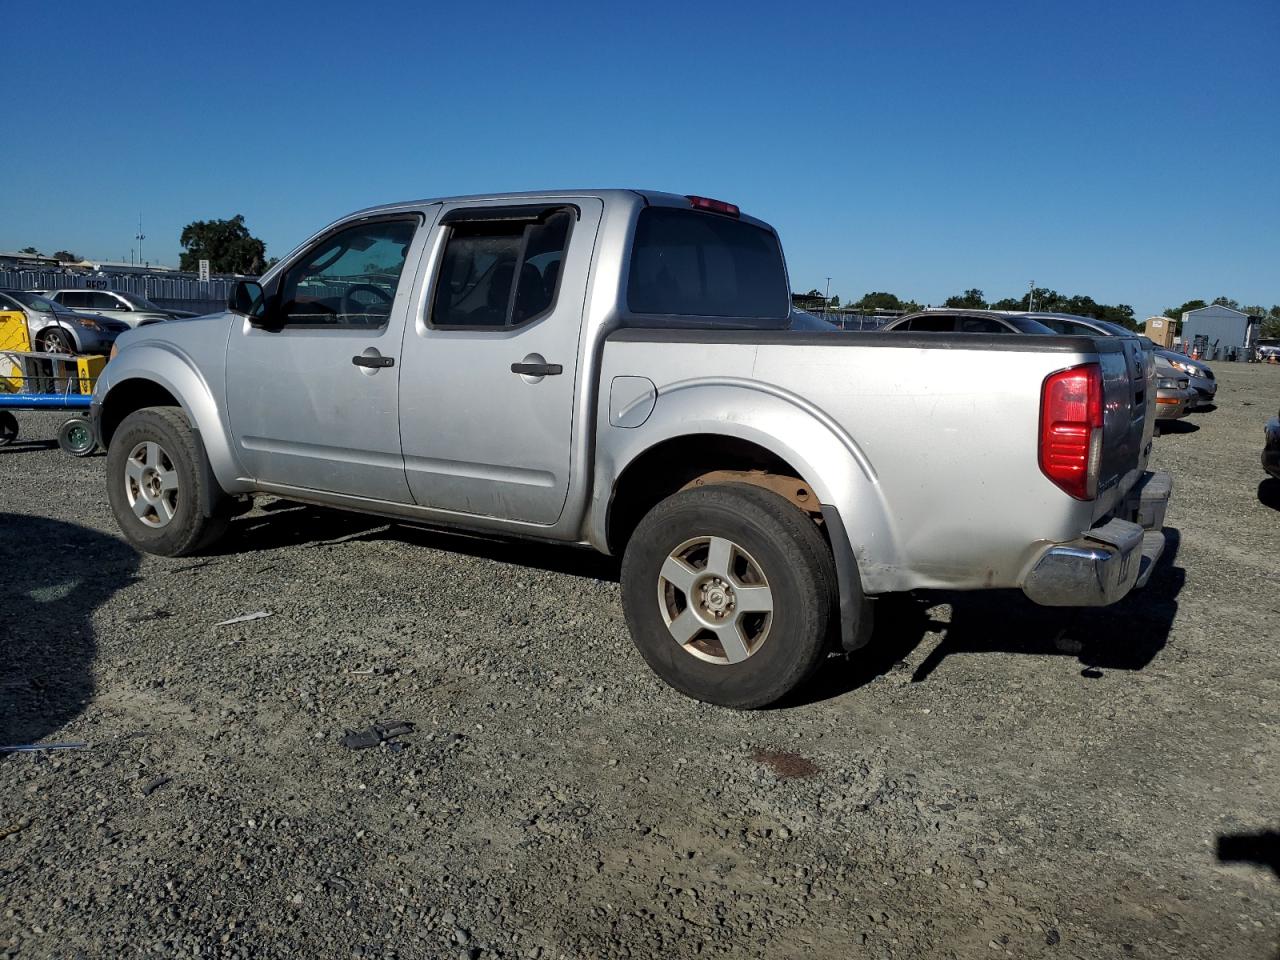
x=248, y=300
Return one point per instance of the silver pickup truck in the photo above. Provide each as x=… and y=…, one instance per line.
x=619, y=369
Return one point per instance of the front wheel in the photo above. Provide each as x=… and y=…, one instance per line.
x=54, y=341
x=730, y=594
x=156, y=484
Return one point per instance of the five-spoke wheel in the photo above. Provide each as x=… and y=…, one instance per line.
x=730, y=593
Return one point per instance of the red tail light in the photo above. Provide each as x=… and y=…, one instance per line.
x=1071, y=429
x=715, y=206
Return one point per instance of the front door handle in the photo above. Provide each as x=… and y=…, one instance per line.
x=360, y=360
x=537, y=369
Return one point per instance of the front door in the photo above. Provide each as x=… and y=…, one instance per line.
x=491, y=359
x=311, y=399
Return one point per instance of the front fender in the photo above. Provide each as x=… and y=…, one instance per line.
x=167, y=365
x=820, y=451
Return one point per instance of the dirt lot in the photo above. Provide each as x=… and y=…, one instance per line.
x=989, y=779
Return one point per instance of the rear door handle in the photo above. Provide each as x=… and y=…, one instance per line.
x=360, y=360
x=537, y=369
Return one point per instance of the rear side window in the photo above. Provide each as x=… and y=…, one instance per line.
x=943, y=323
x=687, y=263
x=501, y=273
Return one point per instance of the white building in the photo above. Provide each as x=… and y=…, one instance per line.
x=1222, y=326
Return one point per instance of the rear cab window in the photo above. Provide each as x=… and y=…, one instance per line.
x=703, y=267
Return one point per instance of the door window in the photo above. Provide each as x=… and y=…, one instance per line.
x=75, y=299
x=500, y=273
x=350, y=278
x=942, y=323
x=981, y=325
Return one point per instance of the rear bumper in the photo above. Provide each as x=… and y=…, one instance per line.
x=1110, y=560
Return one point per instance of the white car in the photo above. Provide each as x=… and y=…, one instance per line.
x=133, y=309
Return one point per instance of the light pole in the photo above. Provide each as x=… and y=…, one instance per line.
x=1031, y=297
x=140, y=237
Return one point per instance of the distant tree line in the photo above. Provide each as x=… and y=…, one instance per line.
x=1041, y=298
x=226, y=244
x=1270, y=315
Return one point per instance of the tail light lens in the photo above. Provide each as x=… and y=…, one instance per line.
x=1071, y=429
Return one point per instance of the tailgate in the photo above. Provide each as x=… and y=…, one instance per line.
x=1128, y=420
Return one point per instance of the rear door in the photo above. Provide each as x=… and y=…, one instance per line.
x=491, y=358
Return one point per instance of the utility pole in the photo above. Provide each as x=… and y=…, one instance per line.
x=1031, y=297
x=140, y=237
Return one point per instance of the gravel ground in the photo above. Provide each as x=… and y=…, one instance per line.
x=989, y=779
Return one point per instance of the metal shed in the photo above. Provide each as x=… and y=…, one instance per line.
x=1221, y=325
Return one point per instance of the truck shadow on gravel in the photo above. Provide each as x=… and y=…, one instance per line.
x=299, y=525
x=1125, y=636
x=55, y=575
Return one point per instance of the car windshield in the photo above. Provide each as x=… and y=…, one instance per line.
x=1114, y=328
x=34, y=301
x=141, y=303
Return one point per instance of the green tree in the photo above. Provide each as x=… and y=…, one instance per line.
x=971, y=299
x=879, y=300
x=31, y=250
x=1227, y=302
x=1175, y=313
x=835, y=301
x=66, y=255
x=226, y=244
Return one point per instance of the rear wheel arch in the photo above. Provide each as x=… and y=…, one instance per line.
x=697, y=459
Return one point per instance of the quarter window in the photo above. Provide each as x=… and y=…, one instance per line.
x=350, y=278
x=500, y=273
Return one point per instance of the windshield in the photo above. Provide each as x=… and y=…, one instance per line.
x=34, y=301
x=1114, y=328
x=141, y=303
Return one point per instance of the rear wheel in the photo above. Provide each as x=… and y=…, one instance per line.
x=158, y=483
x=730, y=594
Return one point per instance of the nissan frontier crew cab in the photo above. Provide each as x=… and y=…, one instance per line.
x=618, y=369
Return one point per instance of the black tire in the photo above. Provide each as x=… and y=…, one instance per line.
x=188, y=528
x=75, y=437
x=54, y=340
x=767, y=532
x=8, y=428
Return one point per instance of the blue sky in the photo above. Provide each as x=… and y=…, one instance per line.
x=1127, y=151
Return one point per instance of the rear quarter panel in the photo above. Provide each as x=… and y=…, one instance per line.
x=929, y=453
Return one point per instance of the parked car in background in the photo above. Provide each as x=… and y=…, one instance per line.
x=966, y=321
x=1271, y=448
x=618, y=369
x=131, y=308
x=55, y=329
x=1197, y=372
x=1174, y=393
